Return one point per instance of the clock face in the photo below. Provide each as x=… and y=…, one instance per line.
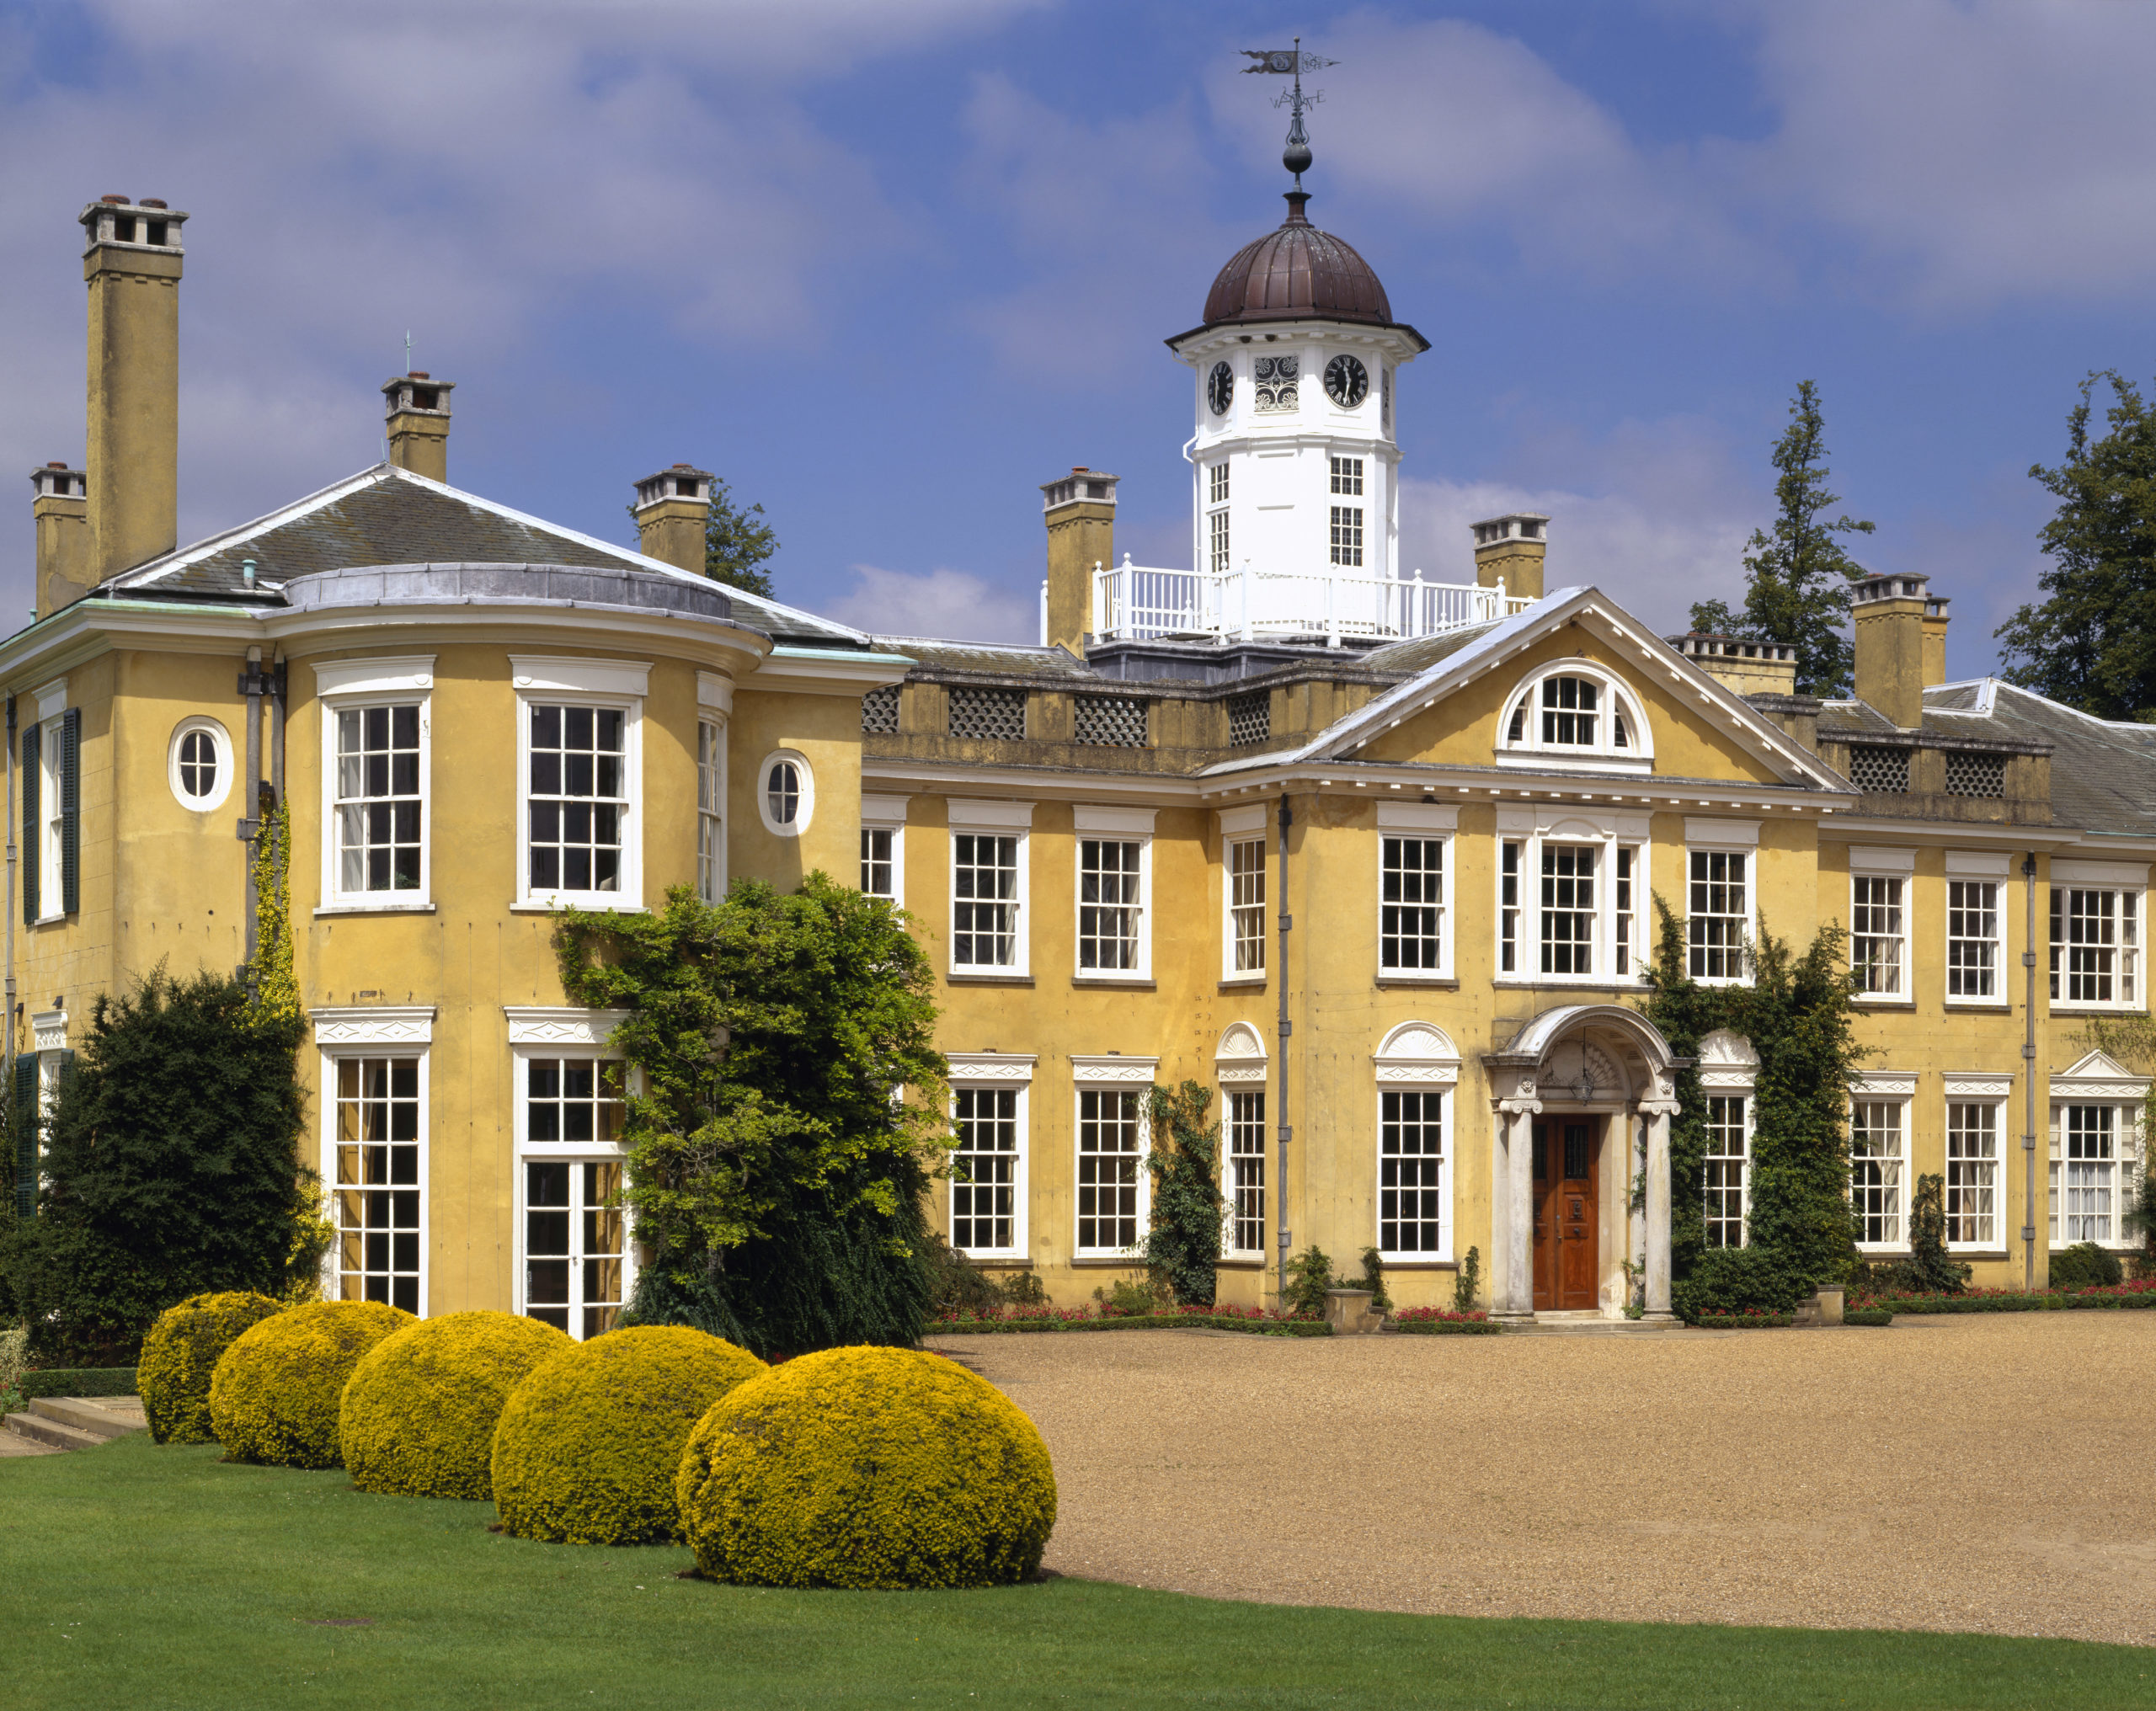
x=1220, y=388
x=1347, y=381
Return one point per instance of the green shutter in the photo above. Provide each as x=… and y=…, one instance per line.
x=30, y=735
x=25, y=1124
x=70, y=810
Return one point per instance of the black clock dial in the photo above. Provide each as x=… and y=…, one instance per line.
x=1220, y=388
x=1347, y=381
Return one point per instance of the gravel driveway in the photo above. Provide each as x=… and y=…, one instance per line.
x=1993, y=1473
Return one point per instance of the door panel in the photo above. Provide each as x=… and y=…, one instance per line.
x=1567, y=1222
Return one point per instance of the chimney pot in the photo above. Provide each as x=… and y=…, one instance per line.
x=120, y=201
x=151, y=202
x=418, y=374
x=57, y=463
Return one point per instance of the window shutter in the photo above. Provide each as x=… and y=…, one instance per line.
x=25, y=1124
x=31, y=733
x=70, y=810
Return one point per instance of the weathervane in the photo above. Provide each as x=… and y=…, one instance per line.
x=1292, y=63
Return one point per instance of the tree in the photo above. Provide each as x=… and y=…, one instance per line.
x=170, y=1169
x=1797, y=579
x=2092, y=644
x=1182, y=1242
x=776, y=1182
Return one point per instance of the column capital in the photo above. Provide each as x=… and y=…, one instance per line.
x=1517, y=1107
x=1659, y=1107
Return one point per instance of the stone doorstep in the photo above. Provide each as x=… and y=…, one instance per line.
x=76, y=1422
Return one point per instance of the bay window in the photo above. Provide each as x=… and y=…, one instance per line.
x=578, y=765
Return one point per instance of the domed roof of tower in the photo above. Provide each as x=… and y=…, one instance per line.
x=1295, y=273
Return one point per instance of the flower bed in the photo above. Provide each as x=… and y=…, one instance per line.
x=1442, y=1321
x=2140, y=1292
x=1258, y=1320
x=1751, y=1318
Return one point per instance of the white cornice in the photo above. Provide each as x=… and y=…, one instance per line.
x=790, y=670
x=560, y=1025
x=374, y=1025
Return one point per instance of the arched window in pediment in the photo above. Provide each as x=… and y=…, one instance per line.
x=1576, y=712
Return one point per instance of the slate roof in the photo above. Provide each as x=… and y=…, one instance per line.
x=991, y=658
x=2103, y=773
x=386, y=515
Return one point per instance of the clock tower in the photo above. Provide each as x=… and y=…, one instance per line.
x=1295, y=370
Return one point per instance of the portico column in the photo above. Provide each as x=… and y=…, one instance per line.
x=1658, y=1113
x=1512, y=1290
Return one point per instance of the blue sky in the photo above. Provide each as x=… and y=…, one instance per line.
x=889, y=267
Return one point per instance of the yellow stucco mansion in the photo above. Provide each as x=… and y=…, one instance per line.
x=1371, y=857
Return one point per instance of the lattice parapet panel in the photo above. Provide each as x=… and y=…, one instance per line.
x=879, y=710
x=998, y=713
x=1113, y=722
x=1970, y=773
x=1250, y=719
x=1879, y=768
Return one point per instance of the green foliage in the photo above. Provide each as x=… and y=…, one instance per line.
x=1798, y=578
x=2085, y=1265
x=1725, y=1281
x=181, y=1352
x=866, y=1468
x=15, y=1355
x=79, y=1381
x=1935, y=1271
x=2137, y=1217
x=1127, y=1299
x=170, y=1168
x=777, y=1187
x=276, y=984
x=1467, y=1281
x=1373, y=1280
x=1309, y=1275
x=1182, y=1243
x=589, y=1444
x=956, y=1284
x=2092, y=643
x=419, y=1413
x=274, y=1394
x=1799, y=1015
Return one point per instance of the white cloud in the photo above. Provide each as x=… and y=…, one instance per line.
x=954, y=604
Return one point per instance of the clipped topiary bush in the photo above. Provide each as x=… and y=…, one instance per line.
x=2085, y=1265
x=1727, y=1281
x=866, y=1468
x=182, y=1349
x=419, y=1410
x=590, y=1442
x=274, y=1396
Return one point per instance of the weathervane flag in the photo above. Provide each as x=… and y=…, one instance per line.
x=1284, y=61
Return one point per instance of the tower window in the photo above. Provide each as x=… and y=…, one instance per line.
x=1217, y=493
x=1347, y=475
x=1346, y=534
x=1217, y=555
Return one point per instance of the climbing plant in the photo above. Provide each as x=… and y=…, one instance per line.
x=773, y=1178
x=1183, y=1244
x=1799, y=1014
x=276, y=982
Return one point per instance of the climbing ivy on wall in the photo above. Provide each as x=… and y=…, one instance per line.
x=1799, y=1013
x=276, y=982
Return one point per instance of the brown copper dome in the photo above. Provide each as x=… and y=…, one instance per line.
x=1297, y=272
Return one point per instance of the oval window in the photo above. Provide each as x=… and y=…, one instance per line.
x=786, y=798
x=783, y=788
x=201, y=763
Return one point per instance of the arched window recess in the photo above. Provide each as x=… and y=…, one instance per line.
x=1574, y=713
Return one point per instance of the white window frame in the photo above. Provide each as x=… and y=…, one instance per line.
x=1112, y=1073
x=51, y=891
x=376, y=1031
x=1976, y=868
x=1729, y=1068
x=1243, y=827
x=618, y=683
x=220, y=745
x=714, y=714
x=2128, y=884
x=1985, y=1092
x=1433, y=822
x=1112, y=826
x=1240, y=1069
x=887, y=813
x=2098, y=1080
x=536, y=1031
x=1418, y=1057
x=1603, y=755
x=998, y=1071
x=994, y=820
x=1738, y=839
x=1897, y=866
x=1532, y=828
x=1897, y=1090
x=353, y=686
x=804, y=777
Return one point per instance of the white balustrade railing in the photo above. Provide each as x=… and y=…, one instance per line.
x=1135, y=602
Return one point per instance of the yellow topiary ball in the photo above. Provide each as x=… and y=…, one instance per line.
x=419, y=1410
x=866, y=1468
x=588, y=1445
x=181, y=1352
x=274, y=1395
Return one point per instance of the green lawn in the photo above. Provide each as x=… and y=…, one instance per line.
x=132, y=1577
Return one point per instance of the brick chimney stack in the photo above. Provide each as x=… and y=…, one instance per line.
x=1080, y=509
x=1510, y=550
x=672, y=510
x=132, y=265
x=418, y=409
x=1895, y=621
x=61, y=507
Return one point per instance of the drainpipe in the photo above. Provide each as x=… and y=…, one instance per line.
x=9, y=1082
x=252, y=682
x=2028, y=1080
x=1285, y=1028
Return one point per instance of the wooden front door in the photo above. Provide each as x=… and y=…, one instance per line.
x=1567, y=1249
